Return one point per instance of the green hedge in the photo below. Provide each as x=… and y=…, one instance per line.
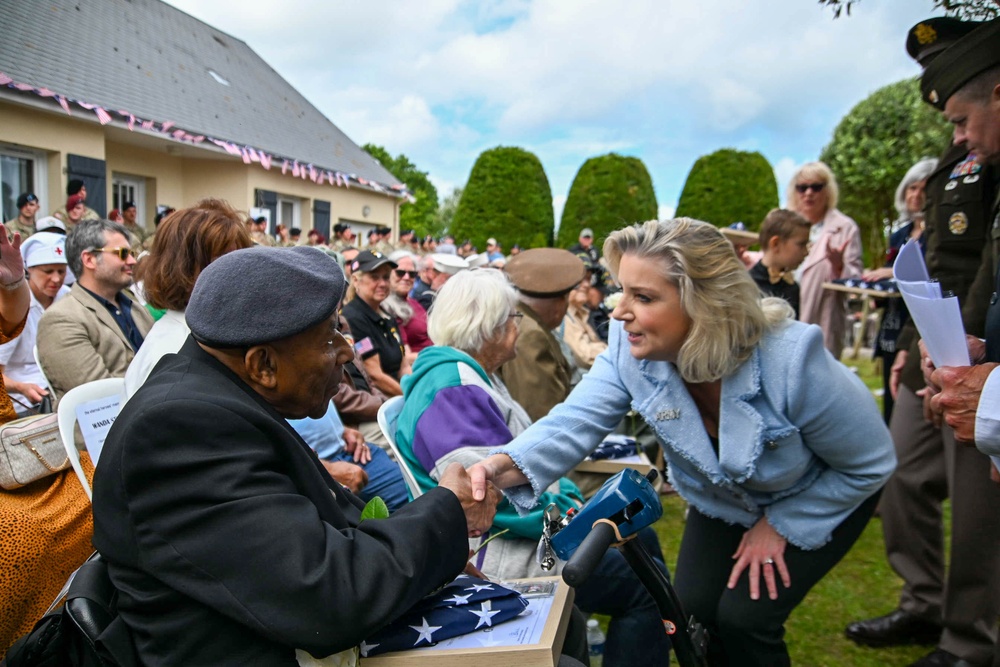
x=609, y=192
x=507, y=197
x=729, y=186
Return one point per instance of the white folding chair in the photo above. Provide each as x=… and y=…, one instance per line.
x=387, y=417
x=48, y=385
x=90, y=391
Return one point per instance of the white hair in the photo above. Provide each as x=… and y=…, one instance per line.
x=397, y=255
x=471, y=309
x=918, y=172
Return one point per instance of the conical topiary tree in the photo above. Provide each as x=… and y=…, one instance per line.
x=729, y=186
x=609, y=192
x=507, y=197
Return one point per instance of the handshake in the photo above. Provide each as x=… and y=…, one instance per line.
x=479, y=508
x=479, y=488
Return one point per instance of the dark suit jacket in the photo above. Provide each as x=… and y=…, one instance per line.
x=229, y=543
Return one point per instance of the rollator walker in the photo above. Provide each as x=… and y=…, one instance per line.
x=622, y=507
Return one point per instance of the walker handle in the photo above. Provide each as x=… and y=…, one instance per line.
x=589, y=554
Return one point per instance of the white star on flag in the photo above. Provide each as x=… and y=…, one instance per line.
x=480, y=587
x=459, y=600
x=488, y=638
x=365, y=647
x=485, y=615
x=424, y=631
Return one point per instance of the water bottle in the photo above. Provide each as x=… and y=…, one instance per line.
x=595, y=640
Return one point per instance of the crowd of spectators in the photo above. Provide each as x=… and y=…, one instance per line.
x=226, y=501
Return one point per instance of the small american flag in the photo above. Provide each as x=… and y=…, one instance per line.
x=364, y=346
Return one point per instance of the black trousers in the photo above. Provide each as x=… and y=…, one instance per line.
x=744, y=631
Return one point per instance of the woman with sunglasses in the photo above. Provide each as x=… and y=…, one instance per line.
x=411, y=315
x=778, y=449
x=377, y=336
x=835, y=251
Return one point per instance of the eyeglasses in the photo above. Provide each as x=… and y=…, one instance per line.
x=123, y=253
x=802, y=188
x=516, y=317
x=401, y=273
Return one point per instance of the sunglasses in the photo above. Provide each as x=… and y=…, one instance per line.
x=400, y=273
x=802, y=188
x=123, y=253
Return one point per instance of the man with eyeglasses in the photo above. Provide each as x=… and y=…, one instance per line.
x=24, y=223
x=96, y=330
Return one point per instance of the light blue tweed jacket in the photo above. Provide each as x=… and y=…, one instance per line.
x=800, y=437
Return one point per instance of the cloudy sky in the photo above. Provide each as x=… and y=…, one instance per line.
x=663, y=80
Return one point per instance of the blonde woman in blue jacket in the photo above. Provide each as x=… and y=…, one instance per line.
x=779, y=449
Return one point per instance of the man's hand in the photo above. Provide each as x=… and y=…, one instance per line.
x=896, y=371
x=961, y=387
x=930, y=416
x=347, y=474
x=478, y=513
x=927, y=367
x=354, y=443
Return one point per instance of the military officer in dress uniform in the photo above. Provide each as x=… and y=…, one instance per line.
x=957, y=611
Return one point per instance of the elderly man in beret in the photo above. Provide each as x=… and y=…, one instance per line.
x=227, y=540
x=541, y=376
x=961, y=79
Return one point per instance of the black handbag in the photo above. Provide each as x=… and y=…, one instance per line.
x=85, y=631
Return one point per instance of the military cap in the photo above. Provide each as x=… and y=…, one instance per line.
x=959, y=63
x=447, y=263
x=477, y=261
x=545, y=272
x=369, y=260
x=931, y=37
x=26, y=198
x=297, y=288
x=49, y=223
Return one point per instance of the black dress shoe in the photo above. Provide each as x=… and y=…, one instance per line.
x=941, y=658
x=896, y=629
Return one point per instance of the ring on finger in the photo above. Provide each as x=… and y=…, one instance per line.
x=769, y=561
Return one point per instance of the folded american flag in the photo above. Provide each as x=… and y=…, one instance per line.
x=461, y=607
x=615, y=447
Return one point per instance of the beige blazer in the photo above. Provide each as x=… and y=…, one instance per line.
x=79, y=342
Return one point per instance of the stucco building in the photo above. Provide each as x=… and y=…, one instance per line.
x=146, y=103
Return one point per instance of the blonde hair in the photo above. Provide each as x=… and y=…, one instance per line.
x=728, y=315
x=471, y=309
x=813, y=170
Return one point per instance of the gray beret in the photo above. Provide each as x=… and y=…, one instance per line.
x=262, y=294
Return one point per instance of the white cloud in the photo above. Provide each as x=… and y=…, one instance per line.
x=665, y=80
x=666, y=212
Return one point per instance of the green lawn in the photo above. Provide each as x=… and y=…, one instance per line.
x=861, y=586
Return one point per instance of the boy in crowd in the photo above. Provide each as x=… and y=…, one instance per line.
x=784, y=240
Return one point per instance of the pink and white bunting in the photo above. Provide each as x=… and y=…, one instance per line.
x=249, y=154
